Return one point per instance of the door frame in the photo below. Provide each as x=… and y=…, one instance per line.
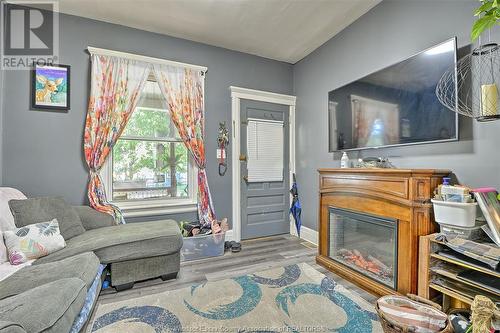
x=237, y=94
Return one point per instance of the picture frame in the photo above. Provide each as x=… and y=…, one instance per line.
x=50, y=87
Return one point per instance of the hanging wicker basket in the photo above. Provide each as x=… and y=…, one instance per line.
x=471, y=87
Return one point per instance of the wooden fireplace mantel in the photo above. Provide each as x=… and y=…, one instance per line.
x=401, y=194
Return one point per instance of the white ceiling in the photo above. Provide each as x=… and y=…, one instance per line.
x=285, y=30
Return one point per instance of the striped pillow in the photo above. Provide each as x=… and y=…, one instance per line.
x=403, y=310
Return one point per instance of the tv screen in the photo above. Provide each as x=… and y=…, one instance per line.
x=394, y=106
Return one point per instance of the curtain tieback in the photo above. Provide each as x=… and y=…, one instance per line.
x=94, y=173
x=96, y=179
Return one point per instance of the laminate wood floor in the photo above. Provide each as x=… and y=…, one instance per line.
x=256, y=255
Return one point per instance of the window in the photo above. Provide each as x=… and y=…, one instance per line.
x=265, y=140
x=150, y=169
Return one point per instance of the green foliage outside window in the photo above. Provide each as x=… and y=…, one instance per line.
x=150, y=154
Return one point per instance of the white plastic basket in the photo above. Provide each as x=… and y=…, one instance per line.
x=460, y=214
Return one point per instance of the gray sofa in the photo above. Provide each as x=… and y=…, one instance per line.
x=134, y=251
x=48, y=295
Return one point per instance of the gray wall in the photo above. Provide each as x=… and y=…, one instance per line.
x=389, y=33
x=43, y=150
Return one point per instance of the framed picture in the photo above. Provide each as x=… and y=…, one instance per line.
x=50, y=87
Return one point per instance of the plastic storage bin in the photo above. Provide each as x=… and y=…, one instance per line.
x=459, y=214
x=472, y=233
x=200, y=247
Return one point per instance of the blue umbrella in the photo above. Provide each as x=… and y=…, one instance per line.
x=295, y=208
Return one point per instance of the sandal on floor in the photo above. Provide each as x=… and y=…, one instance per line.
x=235, y=247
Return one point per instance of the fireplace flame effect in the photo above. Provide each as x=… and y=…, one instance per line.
x=368, y=264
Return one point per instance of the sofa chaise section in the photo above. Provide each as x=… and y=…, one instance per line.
x=123, y=242
x=134, y=251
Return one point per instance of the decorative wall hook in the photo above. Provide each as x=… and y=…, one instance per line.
x=222, y=142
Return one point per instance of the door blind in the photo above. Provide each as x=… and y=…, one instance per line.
x=265, y=150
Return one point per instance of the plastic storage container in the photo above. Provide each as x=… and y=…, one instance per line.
x=455, y=213
x=472, y=233
x=200, y=247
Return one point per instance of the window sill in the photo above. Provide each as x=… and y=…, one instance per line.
x=148, y=208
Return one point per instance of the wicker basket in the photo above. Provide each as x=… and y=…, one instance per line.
x=390, y=326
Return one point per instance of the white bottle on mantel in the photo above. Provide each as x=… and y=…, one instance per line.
x=344, y=161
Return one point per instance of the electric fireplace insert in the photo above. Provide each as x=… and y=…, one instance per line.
x=365, y=243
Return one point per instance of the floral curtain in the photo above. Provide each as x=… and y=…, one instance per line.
x=183, y=90
x=115, y=87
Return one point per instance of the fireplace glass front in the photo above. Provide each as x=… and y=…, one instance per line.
x=365, y=243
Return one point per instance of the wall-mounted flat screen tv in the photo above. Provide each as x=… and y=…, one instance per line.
x=394, y=106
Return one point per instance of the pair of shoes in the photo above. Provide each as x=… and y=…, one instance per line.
x=233, y=246
x=189, y=229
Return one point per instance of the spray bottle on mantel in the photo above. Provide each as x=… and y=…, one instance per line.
x=344, y=161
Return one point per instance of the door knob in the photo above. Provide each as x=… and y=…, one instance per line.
x=243, y=157
x=245, y=178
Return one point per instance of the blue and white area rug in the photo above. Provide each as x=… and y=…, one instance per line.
x=295, y=298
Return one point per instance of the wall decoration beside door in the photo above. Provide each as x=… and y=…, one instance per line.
x=50, y=87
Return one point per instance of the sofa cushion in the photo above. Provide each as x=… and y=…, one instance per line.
x=6, y=218
x=83, y=266
x=92, y=219
x=10, y=327
x=124, y=242
x=33, y=241
x=6, y=269
x=35, y=210
x=51, y=307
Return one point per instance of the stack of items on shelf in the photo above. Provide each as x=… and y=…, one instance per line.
x=458, y=215
x=453, y=193
x=488, y=200
x=466, y=264
x=463, y=271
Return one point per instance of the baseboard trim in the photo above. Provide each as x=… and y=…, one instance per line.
x=306, y=234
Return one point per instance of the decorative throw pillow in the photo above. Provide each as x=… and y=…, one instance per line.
x=33, y=241
x=36, y=210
